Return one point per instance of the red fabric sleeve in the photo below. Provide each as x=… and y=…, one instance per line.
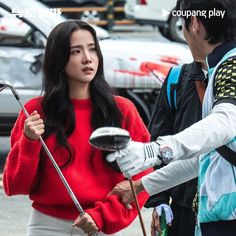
x=111, y=215
x=21, y=165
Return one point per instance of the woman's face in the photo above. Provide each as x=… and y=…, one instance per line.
x=83, y=62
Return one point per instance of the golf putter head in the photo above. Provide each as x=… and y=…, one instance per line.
x=110, y=138
x=6, y=84
x=3, y=85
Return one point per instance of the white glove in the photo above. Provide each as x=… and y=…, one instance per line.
x=168, y=213
x=136, y=157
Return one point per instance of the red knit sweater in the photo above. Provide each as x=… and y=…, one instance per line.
x=89, y=176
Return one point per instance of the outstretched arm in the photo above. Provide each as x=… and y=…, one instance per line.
x=162, y=179
x=205, y=135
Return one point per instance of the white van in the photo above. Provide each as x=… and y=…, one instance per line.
x=156, y=13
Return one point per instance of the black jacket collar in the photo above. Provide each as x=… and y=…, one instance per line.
x=217, y=54
x=196, y=72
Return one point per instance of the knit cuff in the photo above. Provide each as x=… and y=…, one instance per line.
x=96, y=215
x=29, y=147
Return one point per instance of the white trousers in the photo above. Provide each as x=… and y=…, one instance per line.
x=43, y=225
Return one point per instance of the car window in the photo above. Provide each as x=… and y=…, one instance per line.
x=14, y=32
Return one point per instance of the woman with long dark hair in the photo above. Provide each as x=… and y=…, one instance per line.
x=76, y=101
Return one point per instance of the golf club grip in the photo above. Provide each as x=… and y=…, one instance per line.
x=67, y=186
x=138, y=208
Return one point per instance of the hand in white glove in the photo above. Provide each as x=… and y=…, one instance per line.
x=136, y=157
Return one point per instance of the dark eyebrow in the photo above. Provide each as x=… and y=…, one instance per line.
x=79, y=46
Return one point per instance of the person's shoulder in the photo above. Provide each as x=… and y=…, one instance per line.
x=34, y=101
x=227, y=67
x=34, y=104
x=123, y=102
x=193, y=67
x=231, y=61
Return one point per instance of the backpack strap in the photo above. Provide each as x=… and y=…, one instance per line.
x=201, y=88
x=228, y=154
x=171, y=87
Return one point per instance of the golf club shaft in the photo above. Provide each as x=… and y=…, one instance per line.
x=137, y=205
x=138, y=208
x=67, y=186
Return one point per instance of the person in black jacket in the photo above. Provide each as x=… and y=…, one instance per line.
x=168, y=120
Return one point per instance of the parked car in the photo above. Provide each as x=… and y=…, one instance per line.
x=156, y=13
x=12, y=26
x=134, y=68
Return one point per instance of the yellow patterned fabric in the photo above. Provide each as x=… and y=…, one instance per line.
x=225, y=82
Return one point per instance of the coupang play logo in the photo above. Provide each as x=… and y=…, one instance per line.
x=199, y=13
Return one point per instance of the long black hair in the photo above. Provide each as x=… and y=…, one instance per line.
x=56, y=104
